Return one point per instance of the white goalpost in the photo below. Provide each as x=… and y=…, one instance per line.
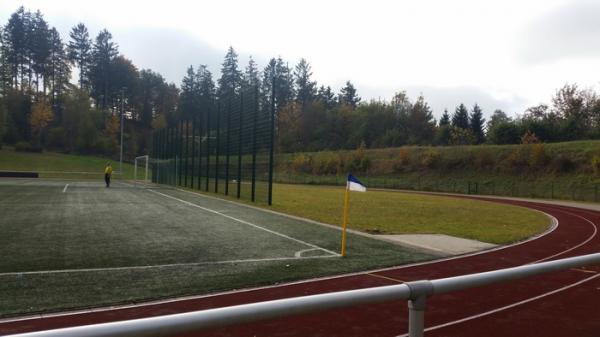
x=141, y=161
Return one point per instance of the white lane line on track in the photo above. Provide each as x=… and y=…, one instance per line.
x=576, y=246
x=247, y=223
x=508, y=306
x=531, y=298
x=65, y=189
x=207, y=263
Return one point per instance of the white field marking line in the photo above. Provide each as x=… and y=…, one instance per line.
x=65, y=189
x=248, y=223
x=576, y=246
x=300, y=252
x=208, y=263
x=554, y=225
x=531, y=299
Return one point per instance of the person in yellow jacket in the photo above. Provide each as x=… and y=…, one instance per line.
x=107, y=173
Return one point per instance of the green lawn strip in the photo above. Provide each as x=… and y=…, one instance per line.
x=383, y=212
x=58, y=162
x=403, y=213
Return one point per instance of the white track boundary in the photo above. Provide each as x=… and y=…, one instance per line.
x=247, y=223
x=516, y=304
x=493, y=311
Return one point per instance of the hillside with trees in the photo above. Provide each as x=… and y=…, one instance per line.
x=69, y=94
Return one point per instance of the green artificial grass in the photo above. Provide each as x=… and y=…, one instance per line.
x=192, y=250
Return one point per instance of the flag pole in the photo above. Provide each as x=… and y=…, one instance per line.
x=345, y=223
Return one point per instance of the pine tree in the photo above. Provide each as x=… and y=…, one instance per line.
x=326, y=95
x=206, y=85
x=80, y=52
x=251, y=77
x=59, y=71
x=231, y=77
x=103, y=54
x=188, y=99
x=14, y=48
x=445, y=120
x=460, y=119
x=476, y=123
x=40, y=49
x=348, y=95
x=305, y=88
x=277, y=81
x=5, y=77
x=421, y=124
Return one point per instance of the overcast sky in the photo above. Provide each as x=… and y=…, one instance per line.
x=501, y=54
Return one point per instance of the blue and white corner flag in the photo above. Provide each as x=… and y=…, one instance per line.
x=354, y=184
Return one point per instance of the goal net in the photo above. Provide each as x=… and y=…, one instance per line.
x=148, y=170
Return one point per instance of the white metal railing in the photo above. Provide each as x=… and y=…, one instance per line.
x=415, y=292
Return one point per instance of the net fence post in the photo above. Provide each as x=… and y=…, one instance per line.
x=146, y=174
x=208, y=129
x=272, y=141
x=187, y=151
x=227, y=145
x=180, y=152
x=254, y=126
x=239, y=163
x=218, y=146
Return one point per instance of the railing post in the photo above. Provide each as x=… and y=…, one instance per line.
x=416, y=316
x=419, y=291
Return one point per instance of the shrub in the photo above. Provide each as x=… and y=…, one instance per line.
x=515, y=160
x=562, y=164
x=529, y=138
x=325, y=163
x=430, y=159
x=27, y=147
x=302, y=163
x=483, y=160
x=57, y=138
x=402, y=161
x=537, y=156
x=357, y=160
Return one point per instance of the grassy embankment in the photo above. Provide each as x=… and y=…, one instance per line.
x=57, y=165
x=569, y=170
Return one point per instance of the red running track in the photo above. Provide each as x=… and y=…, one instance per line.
x=556, y=304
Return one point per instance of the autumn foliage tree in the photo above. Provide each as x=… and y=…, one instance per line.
x=41, y=116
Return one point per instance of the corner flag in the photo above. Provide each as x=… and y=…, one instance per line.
x=355, y=184
x=352, y=184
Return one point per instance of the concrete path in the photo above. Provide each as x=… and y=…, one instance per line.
x=438, y=244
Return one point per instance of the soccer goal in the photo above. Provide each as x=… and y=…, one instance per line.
x=142, y=162
x=147, y=170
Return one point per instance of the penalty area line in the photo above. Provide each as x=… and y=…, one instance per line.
x=334, y=254
x=65, y=189
x=158, y=266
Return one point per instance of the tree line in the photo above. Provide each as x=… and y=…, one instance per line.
x=70, y=96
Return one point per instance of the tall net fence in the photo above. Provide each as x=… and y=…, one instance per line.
x=226, y=147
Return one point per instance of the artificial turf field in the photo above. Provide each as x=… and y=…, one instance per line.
x=76, y=244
